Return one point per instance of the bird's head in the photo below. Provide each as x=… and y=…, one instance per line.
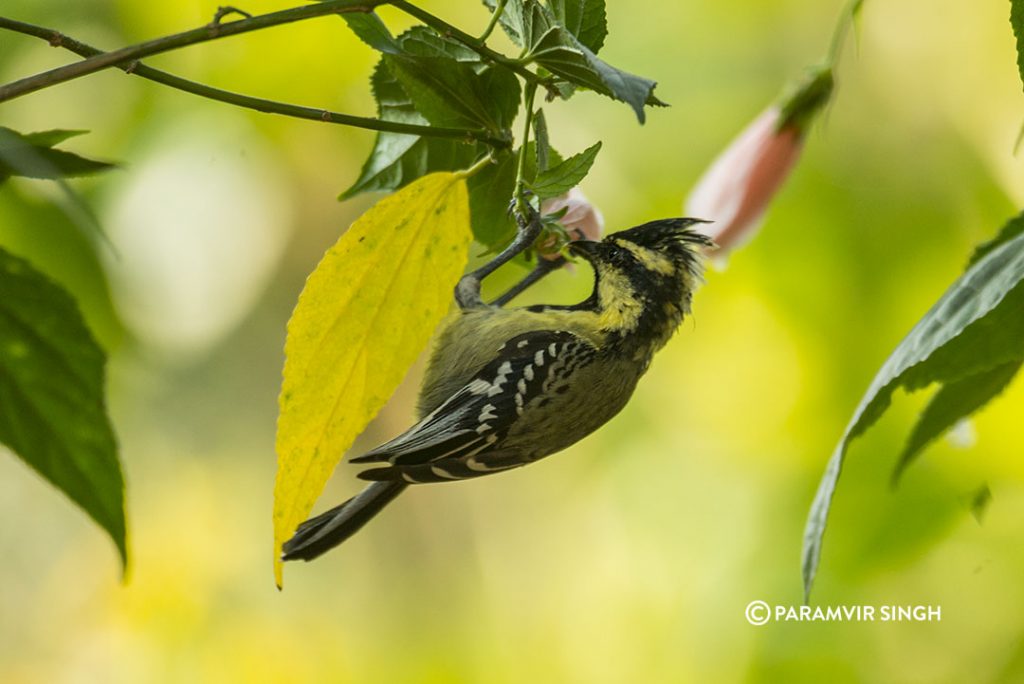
x=646, y=275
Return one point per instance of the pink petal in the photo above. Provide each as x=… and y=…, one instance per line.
x=739, y=185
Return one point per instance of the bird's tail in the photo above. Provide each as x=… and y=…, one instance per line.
x=327, y=530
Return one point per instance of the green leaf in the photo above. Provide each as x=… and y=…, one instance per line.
x=51, y=138
x=500, y=90
x=968, y=331
x=364, y=316
x=423, y=42
x=585, y=19
x=452, y=93
x=490, y=192
x=1017, y=23
x=568, y=51
x=52, y=411
x=369, y=28
x=563, y=177
x=31, y=156
x=991, y=340
x=1012, y=229
x=449, y=85
x=562, y=54
x=398, y=159
x=419, y=40
x=525, y=21
x=437, y=89
x=953, y=402
x=531, y=170
x=495, y=86
x=540, y=134
x=30, y=226
x=536, y=19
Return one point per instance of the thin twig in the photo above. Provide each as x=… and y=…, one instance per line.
x=228, y=10
x=172, y=42
x=542, y=269
x=477, y=166
x=498, y=9
x=519, y=199
x=214, y=30
x=57, y=39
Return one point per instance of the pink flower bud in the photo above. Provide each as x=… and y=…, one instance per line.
x=736, y=190
x=582, y=220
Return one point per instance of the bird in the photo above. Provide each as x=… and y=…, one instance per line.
x=507, y=386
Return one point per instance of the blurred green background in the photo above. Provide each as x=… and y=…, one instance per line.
x=630, y=557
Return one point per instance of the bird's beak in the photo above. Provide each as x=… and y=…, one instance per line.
x=585, y=248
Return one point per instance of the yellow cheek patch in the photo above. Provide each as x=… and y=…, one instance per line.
x=648, y=258
x=620, y=308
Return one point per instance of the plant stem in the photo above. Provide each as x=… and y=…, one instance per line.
x=498, y=9
x=520, y=200
x=475, y=44
x=203, y=34
x=850, y=12
x=477, y=167
x=58, y=39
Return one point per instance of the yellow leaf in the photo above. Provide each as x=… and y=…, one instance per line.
x=365, y=314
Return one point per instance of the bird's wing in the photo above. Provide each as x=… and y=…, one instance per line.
x=471, y=423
